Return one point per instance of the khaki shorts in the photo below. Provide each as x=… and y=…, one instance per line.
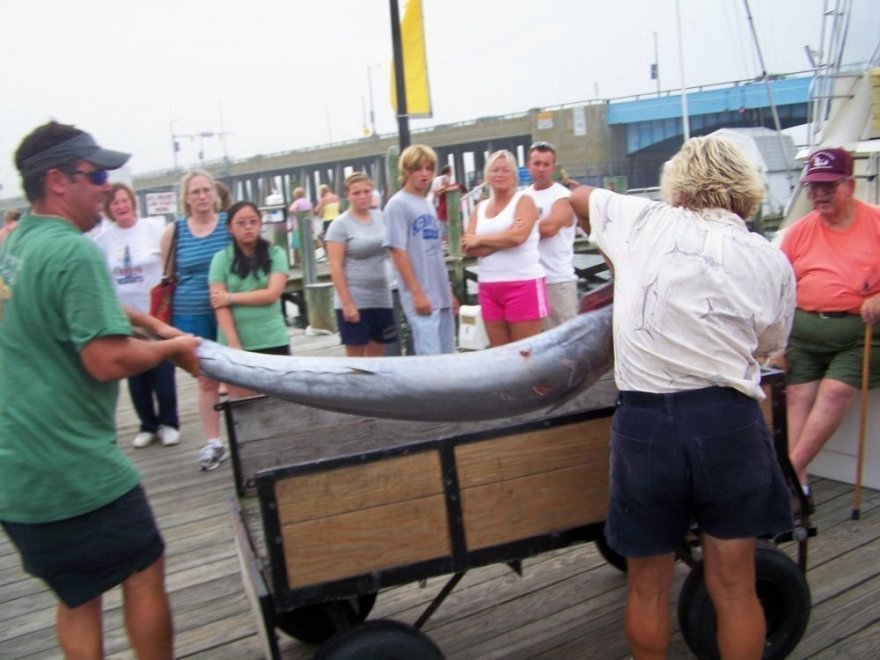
x=831, y=347
x=563, y=300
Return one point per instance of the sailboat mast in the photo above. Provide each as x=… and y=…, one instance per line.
x=773, y=109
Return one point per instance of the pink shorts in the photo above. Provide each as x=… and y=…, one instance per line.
x=514, y=302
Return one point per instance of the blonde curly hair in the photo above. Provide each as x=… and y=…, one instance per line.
x=712, y=172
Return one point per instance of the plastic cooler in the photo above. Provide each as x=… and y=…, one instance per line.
x=471, y=331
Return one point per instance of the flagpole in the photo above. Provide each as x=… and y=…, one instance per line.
x=400, y=80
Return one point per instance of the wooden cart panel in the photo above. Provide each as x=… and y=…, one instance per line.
x=349, y=505
x=355, y=520
x=534, y=483
x=358, y=487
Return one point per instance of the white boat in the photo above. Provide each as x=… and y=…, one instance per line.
x=844, y=111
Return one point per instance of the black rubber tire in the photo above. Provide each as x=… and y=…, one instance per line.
x=609, y=554
x=315, y=624
x=784, y=595
x=381, y=639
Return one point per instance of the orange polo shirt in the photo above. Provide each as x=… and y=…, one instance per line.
x=835, y=270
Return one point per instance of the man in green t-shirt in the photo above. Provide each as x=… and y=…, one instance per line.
x=70, y=500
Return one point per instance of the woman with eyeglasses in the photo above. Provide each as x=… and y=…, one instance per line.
x=196, y=238
x=358, y=263
x=503, y=234
x=247, y=279
x=131, y=248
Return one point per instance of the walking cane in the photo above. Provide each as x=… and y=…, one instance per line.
x=863, y=420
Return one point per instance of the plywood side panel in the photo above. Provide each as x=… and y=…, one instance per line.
x=330, y=492
x=505, y=511
x=367, y=540
x=534, y=452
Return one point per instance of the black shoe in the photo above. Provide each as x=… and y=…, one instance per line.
x=809, y=506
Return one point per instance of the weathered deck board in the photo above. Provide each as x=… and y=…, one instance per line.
x=568, y=604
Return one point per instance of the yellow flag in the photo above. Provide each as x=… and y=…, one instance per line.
x=415, y=63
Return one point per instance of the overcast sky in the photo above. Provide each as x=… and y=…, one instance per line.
x=282, y=74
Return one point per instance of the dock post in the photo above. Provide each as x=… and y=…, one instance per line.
x=318, y=296
x=319, y=301
x=306, y=247
x=453, y=244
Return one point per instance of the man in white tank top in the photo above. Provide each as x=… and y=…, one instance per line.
x=557, y=228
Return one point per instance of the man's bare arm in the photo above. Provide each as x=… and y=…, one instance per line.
x=117, y=356
x=560, y=216
x=580, y=204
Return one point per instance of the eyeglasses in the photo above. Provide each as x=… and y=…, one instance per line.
x=246, y=222
x=542, y=145
x=824, y=186
x=95, y=177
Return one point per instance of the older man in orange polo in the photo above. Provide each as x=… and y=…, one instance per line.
x=835, y=253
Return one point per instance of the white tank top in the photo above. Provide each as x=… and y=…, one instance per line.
x=521, y=262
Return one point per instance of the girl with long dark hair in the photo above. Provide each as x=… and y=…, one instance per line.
x=246, y=281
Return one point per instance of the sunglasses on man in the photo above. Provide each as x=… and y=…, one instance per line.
x=95, y=177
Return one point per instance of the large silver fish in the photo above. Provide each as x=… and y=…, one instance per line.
x=497, y=382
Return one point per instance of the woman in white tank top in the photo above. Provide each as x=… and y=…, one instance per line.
x=503, y=234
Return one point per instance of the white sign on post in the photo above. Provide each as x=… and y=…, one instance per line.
x=579, y=117
x=161, y=203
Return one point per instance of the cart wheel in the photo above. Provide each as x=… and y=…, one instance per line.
x=782, y=590
x=382, y=639
x=315, y=624
x=608, y=553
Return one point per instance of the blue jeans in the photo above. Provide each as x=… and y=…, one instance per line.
x=158, y=382
x=432, y=334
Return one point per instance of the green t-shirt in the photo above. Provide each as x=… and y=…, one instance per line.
x=58, y=452
x=257, y=327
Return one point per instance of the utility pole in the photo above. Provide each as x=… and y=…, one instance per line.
x=370, y=87
x=656, y=67
x=175, y=147
x=792, y=181
x=363, y=116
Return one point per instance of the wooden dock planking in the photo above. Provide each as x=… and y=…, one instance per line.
x=568, y=604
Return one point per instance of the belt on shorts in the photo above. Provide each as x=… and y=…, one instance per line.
x=829, y=315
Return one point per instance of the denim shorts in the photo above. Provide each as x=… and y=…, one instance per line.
x=200, y=325
x=432, y=334
x=82, y=557
x=376, y=324
x=702, y=455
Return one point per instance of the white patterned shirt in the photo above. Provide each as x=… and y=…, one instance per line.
x=697, y=297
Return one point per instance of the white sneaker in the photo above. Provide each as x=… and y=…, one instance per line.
x=143, y=439
x=212, y=455
x=168, y=435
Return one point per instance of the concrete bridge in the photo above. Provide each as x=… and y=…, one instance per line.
x=624, y=141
